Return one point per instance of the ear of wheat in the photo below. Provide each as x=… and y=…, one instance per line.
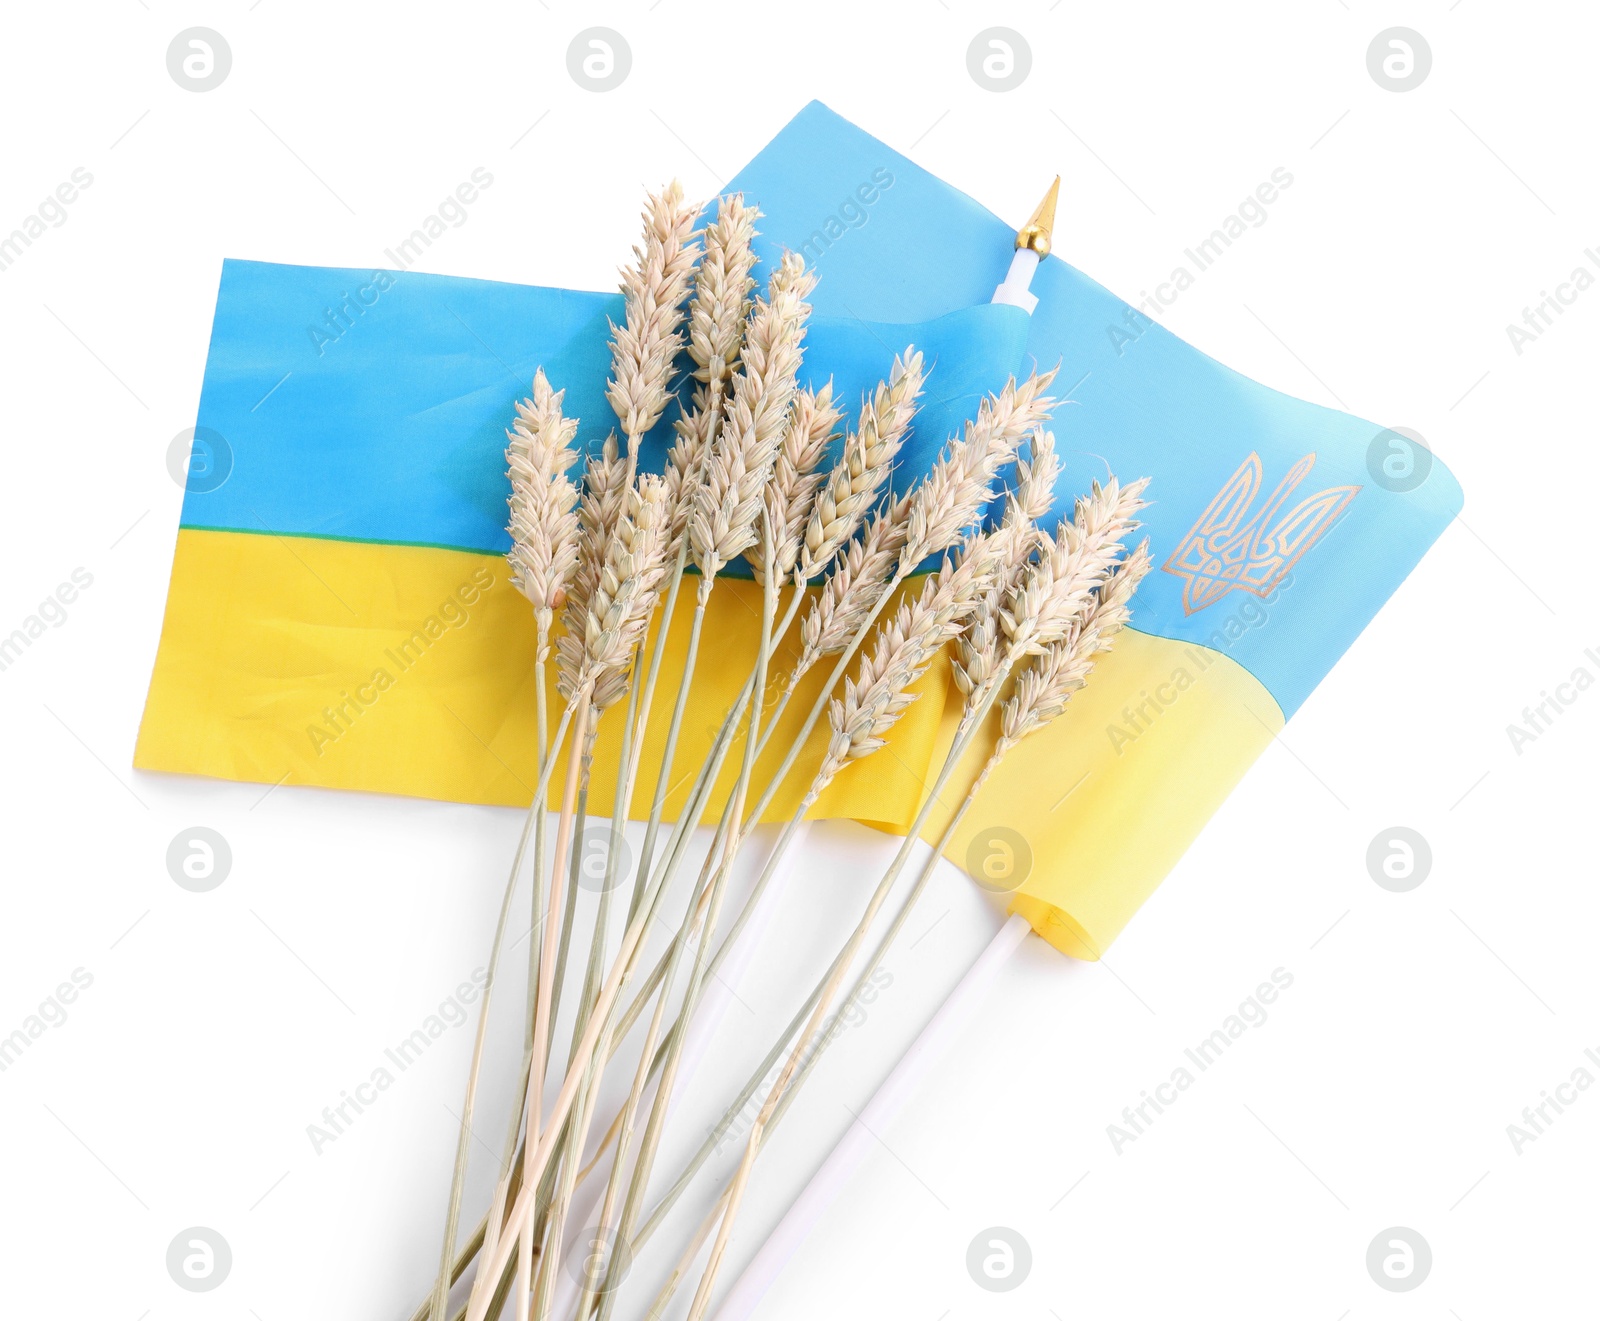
x=850, y=489
x=925, y=521
x=604, y=494
x=1053, y=592
x=625, y=589
x=717, y=311
x=792, y=493
x=905, y=646
x=742, y=456
x=961, y=484
x=1018, y=538
x=653, y=290
x=1048, y=682
x=544, y=522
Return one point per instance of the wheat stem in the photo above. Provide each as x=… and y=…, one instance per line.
x=542, y=1014
x=1062, y=667
x=495, y=1257
x=437, y=1304
x=658, y=1111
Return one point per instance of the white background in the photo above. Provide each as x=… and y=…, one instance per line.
x=1419, y=1025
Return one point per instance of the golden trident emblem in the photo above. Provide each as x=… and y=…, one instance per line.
x=1228, y=549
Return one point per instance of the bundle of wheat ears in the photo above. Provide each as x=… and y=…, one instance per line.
x=1019, y=609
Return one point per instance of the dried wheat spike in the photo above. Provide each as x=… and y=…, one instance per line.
x=722, y=286
x=902, y=650
x=869, y=453
x=1047, y=683
x=605, y=488
x=544, y=519
x=625, y=592
x=718, y=308
x=792, y=493
x=935, y=511
x=1056, y=591
x=851, y=591
x=653, y=290
x=723, y=521
x=961, y=484
x=1018, y=538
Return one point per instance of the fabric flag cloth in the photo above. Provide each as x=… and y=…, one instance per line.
x=340, y=613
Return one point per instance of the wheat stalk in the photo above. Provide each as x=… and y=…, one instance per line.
x=794, y=491
x=1052, y=594
x=653, y=289
x=723, y=521
x=1003, y=421
x=761, y=395
x=1047, y=683
x=715, y=324
x=543, y=558
x=544, y=522
x=717, y=311
x=618, y=596
x=977, y=651
x=1034, y=496
x=905, y=646
x=852, y=487
x=738, y=466
x=881, y=692
x=618, y=610
x=858, y=730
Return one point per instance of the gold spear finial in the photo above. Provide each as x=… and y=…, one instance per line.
x=1036, y=233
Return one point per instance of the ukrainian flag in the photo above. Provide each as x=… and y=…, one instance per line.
x=340, y=613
